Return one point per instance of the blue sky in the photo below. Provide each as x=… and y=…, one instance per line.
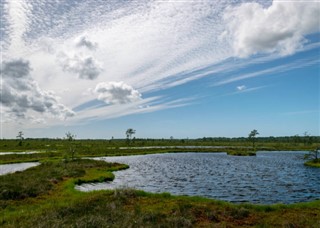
x=186, y=69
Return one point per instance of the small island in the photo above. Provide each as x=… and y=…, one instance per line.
x=313, y=158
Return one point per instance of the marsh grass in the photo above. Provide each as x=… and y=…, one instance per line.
x=43, y=178
x=48, y=199
x=241, y=152
x=19, y=158
x=111, y=147
x=313, y=163
x=313, y=158
x=44, y=196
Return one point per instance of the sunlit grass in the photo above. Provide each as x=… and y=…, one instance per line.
x=45, y=195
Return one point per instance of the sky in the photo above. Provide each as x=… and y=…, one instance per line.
x=186, y=69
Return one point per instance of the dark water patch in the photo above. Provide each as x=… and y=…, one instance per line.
x=269, y=177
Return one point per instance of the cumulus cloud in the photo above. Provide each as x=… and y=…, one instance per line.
x=241, y=88
x=20, y=94
x=15, y=69
x=116, y=93
x=84, y=41
x=150, y=45
x=280, y=28
x=86, y=67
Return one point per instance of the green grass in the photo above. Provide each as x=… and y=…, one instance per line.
x=241, y=152
x=313, y=163
x=18, y=158
x=111, y=146
x=44, y=196
x=41, y=179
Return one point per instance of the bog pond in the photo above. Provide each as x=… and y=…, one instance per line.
x=11, y=168
x=268, y=178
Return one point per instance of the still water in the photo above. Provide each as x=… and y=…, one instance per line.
x=11, y=168
x=28, y=152
x=269, y=177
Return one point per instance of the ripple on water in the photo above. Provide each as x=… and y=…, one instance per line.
x=269, y=177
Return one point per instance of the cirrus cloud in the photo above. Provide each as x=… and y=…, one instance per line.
x=147, y=45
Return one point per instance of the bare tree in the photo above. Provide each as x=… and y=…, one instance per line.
x=129, y=134
x=307, y=138
x=20, y=137
x=72, y=150
x=252, y=137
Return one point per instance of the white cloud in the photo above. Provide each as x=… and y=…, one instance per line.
x=269, y=71
x=117, y=93
x=84, y=41
x=280, y=28
x=149, y=45
x=86, y=67
x=17, y=12
x=21, y=95
x=241, y=88
x=146, y=105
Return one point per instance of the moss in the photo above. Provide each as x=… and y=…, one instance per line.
x=241, y=153
x=44, y=196
x=100, y=175
x=313, y=163
x=63, y=206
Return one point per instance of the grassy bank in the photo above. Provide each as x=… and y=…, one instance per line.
x=241, y=152
x=44, y=196
x=313, y=163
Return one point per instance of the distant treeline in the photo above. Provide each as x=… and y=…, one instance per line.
x=284, y=139
x=109, y=147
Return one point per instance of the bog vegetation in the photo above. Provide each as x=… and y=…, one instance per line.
x=44, y=196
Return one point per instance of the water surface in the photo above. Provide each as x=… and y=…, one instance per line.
x=27, y=152
x=269, y=177
x=179, y=147
x=11, y=168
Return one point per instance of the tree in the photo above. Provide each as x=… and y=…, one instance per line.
x=296, y=139
x=252, y=137
x=70, y=136
x=307, y=138
x=129, y=134
x=20, y=137
x=72, y=150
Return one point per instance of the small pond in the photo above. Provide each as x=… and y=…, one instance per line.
x=268, y=178
x=28, y=152
x=11, y=168
x=176, y=147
